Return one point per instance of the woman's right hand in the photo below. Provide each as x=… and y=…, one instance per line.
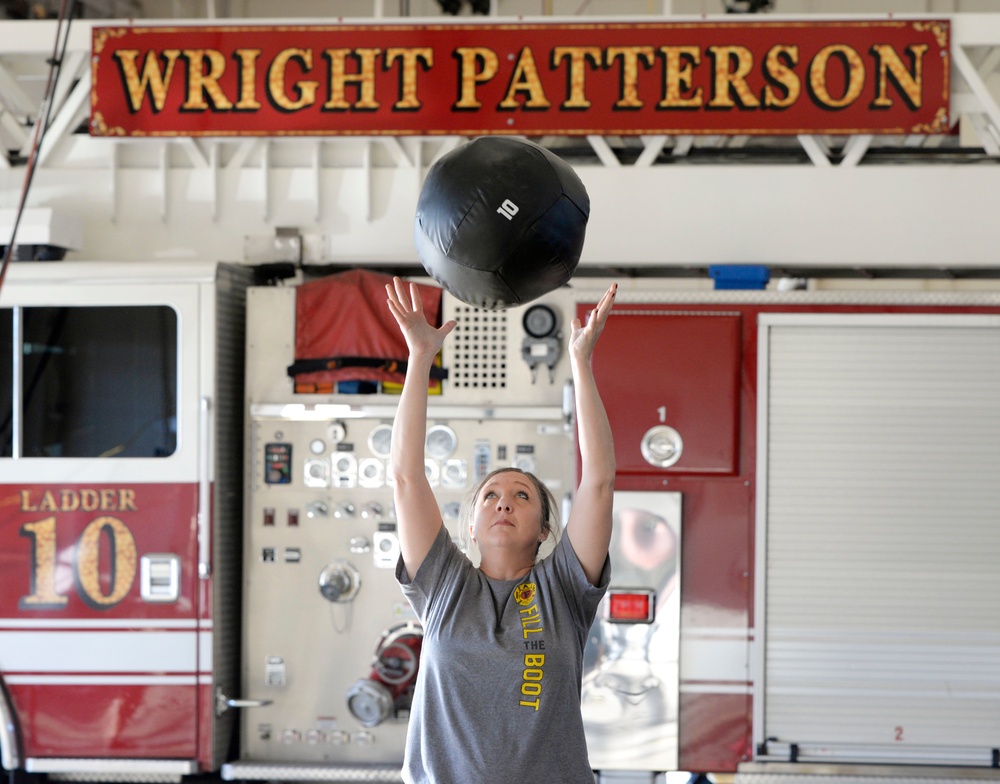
x=422, y=339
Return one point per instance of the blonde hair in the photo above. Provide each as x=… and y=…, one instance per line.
x=550, y=507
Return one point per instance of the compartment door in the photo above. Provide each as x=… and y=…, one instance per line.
x=670, y=382
x=878, y=528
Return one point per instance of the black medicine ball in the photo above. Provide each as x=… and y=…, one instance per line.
x=501, y=221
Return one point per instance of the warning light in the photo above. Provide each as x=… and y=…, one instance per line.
x=630, y=605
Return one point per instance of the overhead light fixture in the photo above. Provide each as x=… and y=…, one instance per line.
x=453, y=7
x=746, y=6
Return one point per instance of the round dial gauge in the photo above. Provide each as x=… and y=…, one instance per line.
x=539, y=321
x=379, y=440
x=441, y=442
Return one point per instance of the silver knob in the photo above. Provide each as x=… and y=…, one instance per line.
x=372, y=511
x=316, y=509
x=343, y=511
x=661, y=446
x=339, y=582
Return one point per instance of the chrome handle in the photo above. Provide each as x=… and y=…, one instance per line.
x=224, y=703
x=204, y=490
x=234, y=703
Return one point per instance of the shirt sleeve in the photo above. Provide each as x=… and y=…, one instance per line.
x=438, y=574
x=580, y=594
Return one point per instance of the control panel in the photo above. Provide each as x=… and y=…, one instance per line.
x=330, y=642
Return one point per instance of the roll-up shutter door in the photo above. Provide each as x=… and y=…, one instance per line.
x=879, y=534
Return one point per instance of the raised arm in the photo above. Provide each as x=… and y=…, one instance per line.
x=589, y=524
x=418, y=517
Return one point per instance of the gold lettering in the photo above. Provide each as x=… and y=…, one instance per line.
x=408, y=73
x=152, y=80
x=201, y=84
x=364, y=78
x=305, y=90
x=471, y=74
x=525, y=79
x=48, y=503
x=576, y=78
x=910, y=85
x=629, y=95
x=126, y=501
x=43, y=568
x=679, y=61
x=534, y=659
x=26, y=505
x=729, y=86
x=108, y=498
x=69, y=501
x=88, y=500
x=855, y=73
x=779, y=74
x=123, y=562
x=248, y=79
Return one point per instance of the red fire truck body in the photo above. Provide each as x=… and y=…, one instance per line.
x=116, y=585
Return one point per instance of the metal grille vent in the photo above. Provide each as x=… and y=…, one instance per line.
x=479, y=344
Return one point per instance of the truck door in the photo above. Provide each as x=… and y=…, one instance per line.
x=99, y=520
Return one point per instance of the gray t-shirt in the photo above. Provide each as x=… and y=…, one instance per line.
x=497, y=699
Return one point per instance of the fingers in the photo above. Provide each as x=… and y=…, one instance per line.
x=405, y=299
x=599, y=315
x=418, y=306
x=608, y=300
x=399, y=294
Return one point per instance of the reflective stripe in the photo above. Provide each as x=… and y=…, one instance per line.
x=40, y=651
x=113, y=623
x=107, y=680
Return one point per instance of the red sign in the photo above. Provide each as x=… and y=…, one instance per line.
x=740, y=77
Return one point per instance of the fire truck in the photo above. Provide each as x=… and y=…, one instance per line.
x=199, y=536
x=802, y=373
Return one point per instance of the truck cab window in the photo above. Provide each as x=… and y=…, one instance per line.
x=96, y=381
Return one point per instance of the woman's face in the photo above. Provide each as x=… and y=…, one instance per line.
x=508, y=513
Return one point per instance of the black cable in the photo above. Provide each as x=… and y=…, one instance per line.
x=41, y=124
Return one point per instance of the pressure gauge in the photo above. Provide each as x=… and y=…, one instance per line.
x=540, y=321
x=441, y=442
x=379, y=440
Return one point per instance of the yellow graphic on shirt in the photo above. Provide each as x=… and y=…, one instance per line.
x=534, y=646
x=524, y=594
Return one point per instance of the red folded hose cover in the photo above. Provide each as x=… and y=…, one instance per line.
x=347, y=315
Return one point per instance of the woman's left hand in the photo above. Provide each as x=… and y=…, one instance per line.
x=583, y=338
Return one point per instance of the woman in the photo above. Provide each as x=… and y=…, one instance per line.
x=498, y=691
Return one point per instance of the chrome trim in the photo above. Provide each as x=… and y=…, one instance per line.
x=113, y=766
x=204, y=489
x=309, y=412
x=232, y=771
x=10, y=758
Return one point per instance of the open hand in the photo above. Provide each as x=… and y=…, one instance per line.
x=408, y=310
x=583, y=338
